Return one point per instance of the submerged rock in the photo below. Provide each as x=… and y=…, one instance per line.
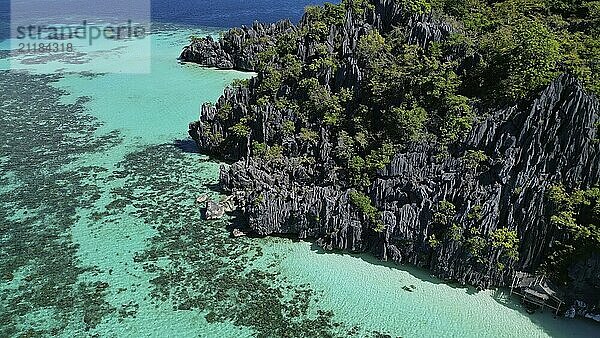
x=214, y=210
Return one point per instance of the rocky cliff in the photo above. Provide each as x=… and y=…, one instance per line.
x=529, y=147
x=238, y=47
x=495, y=178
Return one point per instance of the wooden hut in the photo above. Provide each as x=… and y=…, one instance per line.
x=536, y=291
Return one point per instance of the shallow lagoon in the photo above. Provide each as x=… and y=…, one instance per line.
x=100, y=233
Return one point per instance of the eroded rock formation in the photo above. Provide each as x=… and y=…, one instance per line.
x=551, y=138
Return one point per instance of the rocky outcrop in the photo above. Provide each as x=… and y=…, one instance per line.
x=529, y=147
x=238, y=48
x=585, y=277
x=523, y=148
x=214, y=210
x=212, y=127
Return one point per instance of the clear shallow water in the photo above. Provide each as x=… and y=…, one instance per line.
x=361, y=289
x=100, y=234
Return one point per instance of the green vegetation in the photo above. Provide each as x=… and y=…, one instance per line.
x=526, y=43
x=360, y=169
x=528, y=50
x=269, y=153
x=215, y=137
x=321, y=102
x=240, y=83
x=481, y=247
x=433, y=242
x=473, y=159
x=364, y=205
x=416, y=6
x=288, y=128
x=356, y=168
x=517, y=191
x=456, y=232
x=413, y=91
x=224, y=111
x=576, y=215
x=258, y=200
x=274, y=153
x=508, y=241
x=445, y=212
x=240, y=130
x=476, y=213
x=193, y=38
x=410, y=123
x=380, y=157
x=443, y=219
x=259, y=149
x=358, y=6
x=308, y=135
x=501, y=52
x=476, y=244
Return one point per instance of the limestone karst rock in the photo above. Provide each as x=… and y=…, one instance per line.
x=547, y=139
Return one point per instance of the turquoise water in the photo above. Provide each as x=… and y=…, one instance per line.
x=101, y=236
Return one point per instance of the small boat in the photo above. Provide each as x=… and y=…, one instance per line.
x=238, y=233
